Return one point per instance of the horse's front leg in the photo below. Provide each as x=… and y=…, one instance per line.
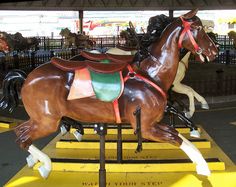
x=31, y=130
x=202, y=100
x=183, y=89
x=165, y=133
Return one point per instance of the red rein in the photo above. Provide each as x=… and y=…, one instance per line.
x=131, y=74
x=187, y=26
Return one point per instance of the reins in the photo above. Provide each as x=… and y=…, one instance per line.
x=131, y=75
x=186, y=30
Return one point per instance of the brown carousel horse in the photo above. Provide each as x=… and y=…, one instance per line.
x=18, y=43
x=45, y=90
x=78, y=40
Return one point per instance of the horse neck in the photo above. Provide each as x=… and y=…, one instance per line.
x=166, y=51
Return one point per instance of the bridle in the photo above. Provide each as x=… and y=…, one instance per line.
x=186, y=30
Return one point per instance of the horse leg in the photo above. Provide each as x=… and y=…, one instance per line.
x=68, y=123
x=166, y=133
x=183, y=89
x=204, y=104
x=31, y=130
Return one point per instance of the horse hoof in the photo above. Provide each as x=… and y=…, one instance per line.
x=203, y=169
x=205, y=106
x=195, y=134
x=31, y=161
x=77, y=135
x=188, y=115
x=63, y=130
x=44, y=172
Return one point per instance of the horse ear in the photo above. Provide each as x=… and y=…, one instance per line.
x=190, y=14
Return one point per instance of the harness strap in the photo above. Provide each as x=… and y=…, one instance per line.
x=187, y=26
x=131, y=74
x=116, y=110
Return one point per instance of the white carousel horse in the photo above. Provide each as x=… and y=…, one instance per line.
x=117, y=51
x=181, y=88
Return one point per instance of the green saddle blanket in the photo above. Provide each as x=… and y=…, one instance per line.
x=107, y=87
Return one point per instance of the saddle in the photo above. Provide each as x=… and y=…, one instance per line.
x=70, y=65
x=98, y=74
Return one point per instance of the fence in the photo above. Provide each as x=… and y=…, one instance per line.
x=225, y=42
x=100, y=42
x=218, y=84
x=30, y=61
x=112, y=41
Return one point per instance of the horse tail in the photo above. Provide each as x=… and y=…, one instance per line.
x=12, y=84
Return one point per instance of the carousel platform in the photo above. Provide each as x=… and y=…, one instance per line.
x=7, y=124
x=158, y=165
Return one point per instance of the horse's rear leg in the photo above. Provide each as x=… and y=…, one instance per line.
x=31, y=130
x=166, y=133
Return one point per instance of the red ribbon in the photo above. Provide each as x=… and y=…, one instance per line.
x=187, y=26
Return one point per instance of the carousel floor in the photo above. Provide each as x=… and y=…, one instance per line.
x=219, y=122
x=79, y=166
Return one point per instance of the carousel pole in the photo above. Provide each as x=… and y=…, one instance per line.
x=101, y=130
x=171, y=13
x=81, y=16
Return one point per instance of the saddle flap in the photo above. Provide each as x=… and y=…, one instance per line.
x=67, y=65
x=87, y=83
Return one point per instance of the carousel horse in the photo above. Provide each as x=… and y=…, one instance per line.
x=130, y=36
x=19, y=43
x=78, y=40
x=181, y=88
x=153, y=33
x=45, y=91
x=232, y=36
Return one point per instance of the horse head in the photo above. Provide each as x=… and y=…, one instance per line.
x=194, y=38
x=65, y=32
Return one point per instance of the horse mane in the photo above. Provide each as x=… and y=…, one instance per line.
x=156, y=25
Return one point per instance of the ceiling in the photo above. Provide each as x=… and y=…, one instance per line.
x=116, y=4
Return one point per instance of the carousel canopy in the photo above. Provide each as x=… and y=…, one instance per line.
x=116, y=4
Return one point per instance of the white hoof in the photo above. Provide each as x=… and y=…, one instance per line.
x=77, y=135
x=203, y=169
x=195, y=134
x=63, y=130
x=188, y=115
x=31, y=161
x=205, y=106
x=44, y=172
